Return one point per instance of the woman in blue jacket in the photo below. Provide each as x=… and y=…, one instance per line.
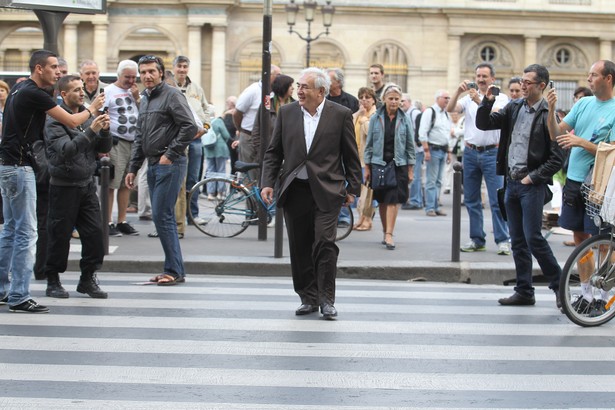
x=390, y=138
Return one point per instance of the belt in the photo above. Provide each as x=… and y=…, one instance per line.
x=518, y=174
x=481, y=148
x=439, y=147
x=245, y=131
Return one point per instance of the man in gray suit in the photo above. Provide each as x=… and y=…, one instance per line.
x=314, y=152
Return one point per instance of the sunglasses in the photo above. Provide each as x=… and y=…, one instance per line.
x=149, y=59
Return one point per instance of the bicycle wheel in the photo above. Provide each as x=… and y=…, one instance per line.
x=590, y=263
x=225, y=216
x=342, y=230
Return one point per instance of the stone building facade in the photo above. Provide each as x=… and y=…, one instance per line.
x=424, y=45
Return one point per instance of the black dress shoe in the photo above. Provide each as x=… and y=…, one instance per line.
x=55, y=290
x=518, y=299
x=306, y=309
x=328, y=311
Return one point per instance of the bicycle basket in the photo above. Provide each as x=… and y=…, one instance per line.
x=597, y=204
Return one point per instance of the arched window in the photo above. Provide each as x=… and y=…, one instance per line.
x=562, y=56
x=488, y=54
x=250, y=62
x=395, y=63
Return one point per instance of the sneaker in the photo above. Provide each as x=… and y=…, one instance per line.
x=200, y=221
x=4, y=300
x=113, y=231
x=211, y=197
x=127, y=229
x=29, y=306
x=598, y=308
x=221, y=196
x=581, y=305
x=504, y=248
x=473, y=247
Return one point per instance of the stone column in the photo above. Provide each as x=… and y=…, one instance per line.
x=531, y=49
x=195, y=53
x=606, y=49
x=70, y=47
x=100, y=46
x=454, y=62
x=218, y=67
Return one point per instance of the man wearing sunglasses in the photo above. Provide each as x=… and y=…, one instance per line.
x=165, y=127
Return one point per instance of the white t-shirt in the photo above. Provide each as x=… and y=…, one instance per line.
x=472, y=134
x=123, y=112
x=248, y=102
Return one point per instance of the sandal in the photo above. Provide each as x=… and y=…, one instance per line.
x=167, y=280
x=156, y=278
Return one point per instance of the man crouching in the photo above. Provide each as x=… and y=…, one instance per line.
x=72, y=153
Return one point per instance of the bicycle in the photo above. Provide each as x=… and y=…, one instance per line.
x=231, y=213
x=591, y=266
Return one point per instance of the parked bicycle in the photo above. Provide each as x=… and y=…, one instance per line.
x=229, y=214
x=587, y=284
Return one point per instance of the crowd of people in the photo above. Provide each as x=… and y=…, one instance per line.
x=378, y=151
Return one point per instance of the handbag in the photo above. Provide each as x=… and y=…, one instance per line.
x=383, y=176
x=210, y=138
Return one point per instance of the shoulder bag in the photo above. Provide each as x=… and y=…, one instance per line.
x=383, y=176
x=210, y=138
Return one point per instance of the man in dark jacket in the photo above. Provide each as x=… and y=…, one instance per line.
x=528, y=159
x=73, y=202
x=164, y=129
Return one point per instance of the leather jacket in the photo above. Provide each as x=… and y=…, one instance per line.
x=544, y=156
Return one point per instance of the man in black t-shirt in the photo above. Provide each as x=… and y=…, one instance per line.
x=24, y=118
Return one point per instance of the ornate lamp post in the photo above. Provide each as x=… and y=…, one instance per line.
x=309, y=7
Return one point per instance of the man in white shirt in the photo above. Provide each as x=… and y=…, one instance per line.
x=479, y=159
x=434, y=140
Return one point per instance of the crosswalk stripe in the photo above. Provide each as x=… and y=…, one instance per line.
x=225, y=343
x=337, y=350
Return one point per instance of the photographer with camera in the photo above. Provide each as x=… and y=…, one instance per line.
x=479, y=157
x=528, y=159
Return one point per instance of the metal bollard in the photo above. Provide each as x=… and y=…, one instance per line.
x=105, y=172
x=456, y=228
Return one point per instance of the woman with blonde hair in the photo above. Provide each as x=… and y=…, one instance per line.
x=367, y=108
x=390, y=142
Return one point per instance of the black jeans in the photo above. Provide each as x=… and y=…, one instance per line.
x=74, y=207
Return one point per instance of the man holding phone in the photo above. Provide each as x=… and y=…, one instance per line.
x=528, y=159
x=479, y=160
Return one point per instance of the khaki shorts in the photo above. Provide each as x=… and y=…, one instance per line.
x=120, y=158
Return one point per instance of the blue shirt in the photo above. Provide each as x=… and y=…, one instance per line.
x=592, y=120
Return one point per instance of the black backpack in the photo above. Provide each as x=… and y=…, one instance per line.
x=417, y=124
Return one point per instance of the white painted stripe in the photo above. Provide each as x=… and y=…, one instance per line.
x=333, y=350
x=292, y=325
x=415, y=294
x=304, y=379
x=10, y=403
x=232, y=305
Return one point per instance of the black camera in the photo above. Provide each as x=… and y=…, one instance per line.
x=495, y=91
x=551, y=84
x=472, y=85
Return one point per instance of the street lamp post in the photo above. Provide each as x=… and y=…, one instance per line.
x=309, y=7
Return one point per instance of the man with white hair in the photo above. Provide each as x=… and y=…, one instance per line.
x=314, y=141
x=90, y=74
x=122, y=100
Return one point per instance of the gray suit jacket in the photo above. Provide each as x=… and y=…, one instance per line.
x=332, y=163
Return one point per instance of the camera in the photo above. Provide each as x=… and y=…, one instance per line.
x=551, y=84
x=105, y=110
x=101, y=91
x=495, y=91
x=472, y=85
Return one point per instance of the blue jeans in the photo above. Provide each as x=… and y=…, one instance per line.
x=216, y=165
x=19, y=235
x=476, y=166
x=164, y=183
x=416, y=187
x=195, y=160
x=524, y=205
x=433, y=179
